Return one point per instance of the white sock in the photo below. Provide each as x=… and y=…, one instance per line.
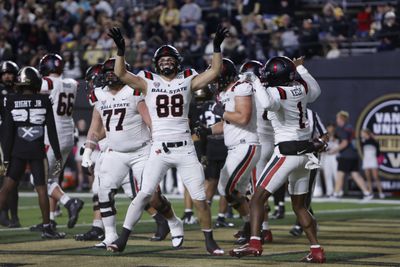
x=206, y=230
x=255, y=237
x=188, y=210
x=221, y=215
x=52, y=215
x=366, y=193
x=135, y=210
x=98, y=223
x=315, y=246
x=64, y=199
x=246, y=218
x=265, y=225
x=281, y=203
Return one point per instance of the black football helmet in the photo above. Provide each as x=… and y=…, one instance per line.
x=279, y=71
x=252, y=66
x=93, y=76
x=167, y=51
x=108, y=75
x=51, y=63
x=8, y=67
x=28, y=78
x=227, y=75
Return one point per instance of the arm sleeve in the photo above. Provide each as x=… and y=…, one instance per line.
x=52, y=130
x=311, y=84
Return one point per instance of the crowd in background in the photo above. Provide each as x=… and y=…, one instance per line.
x=77, y=29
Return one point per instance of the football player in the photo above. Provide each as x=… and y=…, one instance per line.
x=62, y=93
x=286, y=102
x=266, y=136
x=28, y=113
x=8, y=76
x=235, y=106
x=168, y=92
x=123, y=114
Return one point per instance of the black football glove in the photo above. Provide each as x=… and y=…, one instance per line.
x=115, y=34
x=218, y=109
x=202, y=131
x=220, y=35
x=319, y=145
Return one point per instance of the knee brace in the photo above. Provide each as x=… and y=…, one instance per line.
x=107, y=203
x=95, y=200
x=234, y=199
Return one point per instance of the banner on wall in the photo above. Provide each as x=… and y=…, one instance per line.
x=382, y=117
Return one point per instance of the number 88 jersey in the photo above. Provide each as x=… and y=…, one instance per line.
x=168, y=103
x=62, y=94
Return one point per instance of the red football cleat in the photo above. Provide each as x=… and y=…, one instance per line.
x=266, y=236
x=316, y=255
x=252, y=248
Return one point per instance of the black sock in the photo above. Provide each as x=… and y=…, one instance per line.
x=125, y=234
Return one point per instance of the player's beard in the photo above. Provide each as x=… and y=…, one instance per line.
x=167, y=69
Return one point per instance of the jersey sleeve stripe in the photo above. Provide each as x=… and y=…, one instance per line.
x=282, y=93
x=187, y=73
x=304, y=84
x=148, y=75
x=136, y=92
x=49, y=83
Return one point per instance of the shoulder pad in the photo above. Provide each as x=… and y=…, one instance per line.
x=282, y=93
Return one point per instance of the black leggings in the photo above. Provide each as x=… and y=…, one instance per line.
x=39, y=169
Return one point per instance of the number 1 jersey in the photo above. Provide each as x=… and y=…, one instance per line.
x=168, y=103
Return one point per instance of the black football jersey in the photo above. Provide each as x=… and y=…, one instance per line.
x=27, y=115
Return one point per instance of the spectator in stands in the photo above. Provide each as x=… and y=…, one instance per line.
x=388, y=35
x=348, y=162
x=72, y=67
x=333, y=51
x=197, y=47
x=289, y=37
x=213, y=16
x=38, y=54
x=5, y=50
x=25, y=54
x=364, y=20
x=190, y=15
x=169, y=17
x=340, y=26
x=309, y=40
x=233, y=49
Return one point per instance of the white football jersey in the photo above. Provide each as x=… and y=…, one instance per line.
x=287, y=107
x=235, y=134
x=264, y=126
x=62, y=93
x=125, y=129
x=168, y=104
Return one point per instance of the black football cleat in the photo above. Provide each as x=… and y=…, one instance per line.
x=296, y=230
x=4, y=220
x=279, y=213
x=14, y=223
x=94, y=234
x=74, y=206
x=161, y=232
x=49, y=233
x=39, y=227
x=222, y=223
x=117, y=246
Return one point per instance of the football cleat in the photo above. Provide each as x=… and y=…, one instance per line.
x=50, y=233
x=296, y=230
x=279, y=213
x=39, y=227
x=4, y=220
x=316, y=255
x=266, y=236
x=222, y=223
x=74, y=206
x=161, y=232
x=238, y=234
x=189, y=218
x=14, y=223
x=94, y=234
x=117, y=246
x=212, y=247
x=245, y=250
x=177, y=233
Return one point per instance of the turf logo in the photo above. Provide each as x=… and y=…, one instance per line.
x=382, y=117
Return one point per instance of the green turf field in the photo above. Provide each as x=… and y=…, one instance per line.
x=352, y=234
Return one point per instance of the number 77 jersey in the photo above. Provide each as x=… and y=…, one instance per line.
x=168, y=103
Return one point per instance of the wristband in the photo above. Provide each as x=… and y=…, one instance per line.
x=217, y=49
x=87, y=152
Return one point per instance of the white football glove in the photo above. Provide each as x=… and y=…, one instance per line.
x=87, y=162
x=248, y=77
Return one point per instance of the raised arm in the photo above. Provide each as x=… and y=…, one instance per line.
x=205, y=78
x=144, y=112
x=120, y=70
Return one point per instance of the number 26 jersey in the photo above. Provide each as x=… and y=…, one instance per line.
x=168, y=103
